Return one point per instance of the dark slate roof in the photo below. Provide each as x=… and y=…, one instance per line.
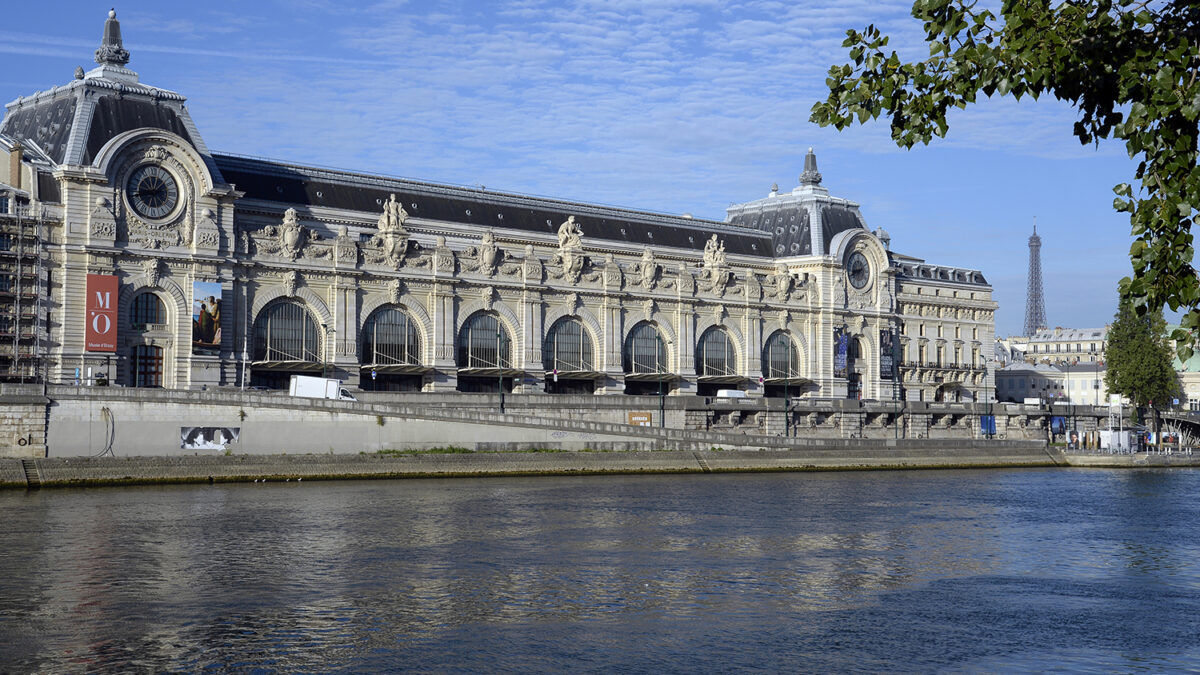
x=292, y=185
x=789, y=224
x=47, y=122
x=113, y=116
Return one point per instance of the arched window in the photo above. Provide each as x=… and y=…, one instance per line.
x=568, y=347
x=714, y=354
x=483, y=343
x=645, y=351
x=285, y=331
x=390, y=337
x=147, y=308
x=781, y=359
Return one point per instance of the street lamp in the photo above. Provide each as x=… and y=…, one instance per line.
x=658, y=366
x=500, y=364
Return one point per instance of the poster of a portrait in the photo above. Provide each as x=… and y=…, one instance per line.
x=207, y=438
x=841, y=343
x=206, y=317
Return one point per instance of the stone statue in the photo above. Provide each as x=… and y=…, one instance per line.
x=569, y=234
x=647, y=269
x=714, y=253
x=393, y=217
x=782, y=281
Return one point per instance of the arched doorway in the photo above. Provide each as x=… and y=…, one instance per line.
x=716, y=363
x=390, y=352
x=286, y=342
x=567, y=358
x=484, y=355
x=644, y=360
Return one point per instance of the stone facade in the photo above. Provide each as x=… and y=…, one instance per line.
x=260, y=270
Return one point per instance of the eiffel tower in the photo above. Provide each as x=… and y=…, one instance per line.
x=1035, y=306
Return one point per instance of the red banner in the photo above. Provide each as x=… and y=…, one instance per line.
x=101, y=329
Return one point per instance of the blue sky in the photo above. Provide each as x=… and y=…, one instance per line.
x=664, y=105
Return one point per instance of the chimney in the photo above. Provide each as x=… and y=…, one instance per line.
x=14, y=165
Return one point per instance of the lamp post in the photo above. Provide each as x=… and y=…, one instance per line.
x=500, y=364
x=658, y=366
x=325, y=350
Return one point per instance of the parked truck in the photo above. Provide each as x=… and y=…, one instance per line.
x=319, y=387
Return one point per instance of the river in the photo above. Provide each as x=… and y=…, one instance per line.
x=987, y=570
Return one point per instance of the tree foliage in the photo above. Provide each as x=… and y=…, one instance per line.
x=1138, y=357
x=1128, y=67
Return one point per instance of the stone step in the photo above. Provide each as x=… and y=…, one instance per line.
x=33, y=479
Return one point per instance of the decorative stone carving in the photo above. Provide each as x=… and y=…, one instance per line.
x=209, y=239
x=345, y=248
x=156, y=153
x=443, y=257
x=784, y=318
x=531, y=268
x=290, y=235
x=488, y=295
x=571, y=301
x=151, y=267
x=151, y=235
x=687, y=283
x=291, y=280
x=612, y=273
x=488, y=255
x=647, y=270
x=752, y=288
x=781, y=282
x=718, y=313
x=103, y=219
x=648, y=308
x=395, y=289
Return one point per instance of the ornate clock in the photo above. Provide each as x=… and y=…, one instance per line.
x=152, y=191
x=858, y=270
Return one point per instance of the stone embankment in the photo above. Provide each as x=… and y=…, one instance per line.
x=81, y=471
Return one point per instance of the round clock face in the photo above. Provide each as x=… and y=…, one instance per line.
x=858, y=270
x=152, y=191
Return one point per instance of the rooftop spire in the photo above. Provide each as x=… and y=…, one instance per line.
x=111, y=51
x=810, y=176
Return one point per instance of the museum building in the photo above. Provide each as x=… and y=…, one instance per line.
x=163, y=264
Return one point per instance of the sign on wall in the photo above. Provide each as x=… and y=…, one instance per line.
x=206, y=317
x=100, y=334
x=641, y=419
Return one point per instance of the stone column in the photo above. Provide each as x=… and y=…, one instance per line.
x=441, y=304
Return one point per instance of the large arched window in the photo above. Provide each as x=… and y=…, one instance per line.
x=714, y=354
x=483, y=343
x=390, y=337
x=568, y=347
x=781, y=359
x=285, y=331
x=147, y=308
x=645, y=351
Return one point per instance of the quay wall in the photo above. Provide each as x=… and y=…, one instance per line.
x=84, y=471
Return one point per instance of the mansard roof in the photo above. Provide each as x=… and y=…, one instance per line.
x=293, y=185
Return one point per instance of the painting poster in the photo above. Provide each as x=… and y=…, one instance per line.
x=207, y=438
x=206, y=317
x=100, y=333
x=841, y=342
x=887, y=355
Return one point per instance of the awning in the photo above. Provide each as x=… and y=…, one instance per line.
x=491, y=372
x=395, y=368
x=722, y=379
x=651, y=377
x=304, y=366
x=789, y=381
x=575, y=375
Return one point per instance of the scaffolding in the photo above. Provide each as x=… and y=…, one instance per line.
x=22, y=293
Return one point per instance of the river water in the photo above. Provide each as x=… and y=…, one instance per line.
x=989, y=570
